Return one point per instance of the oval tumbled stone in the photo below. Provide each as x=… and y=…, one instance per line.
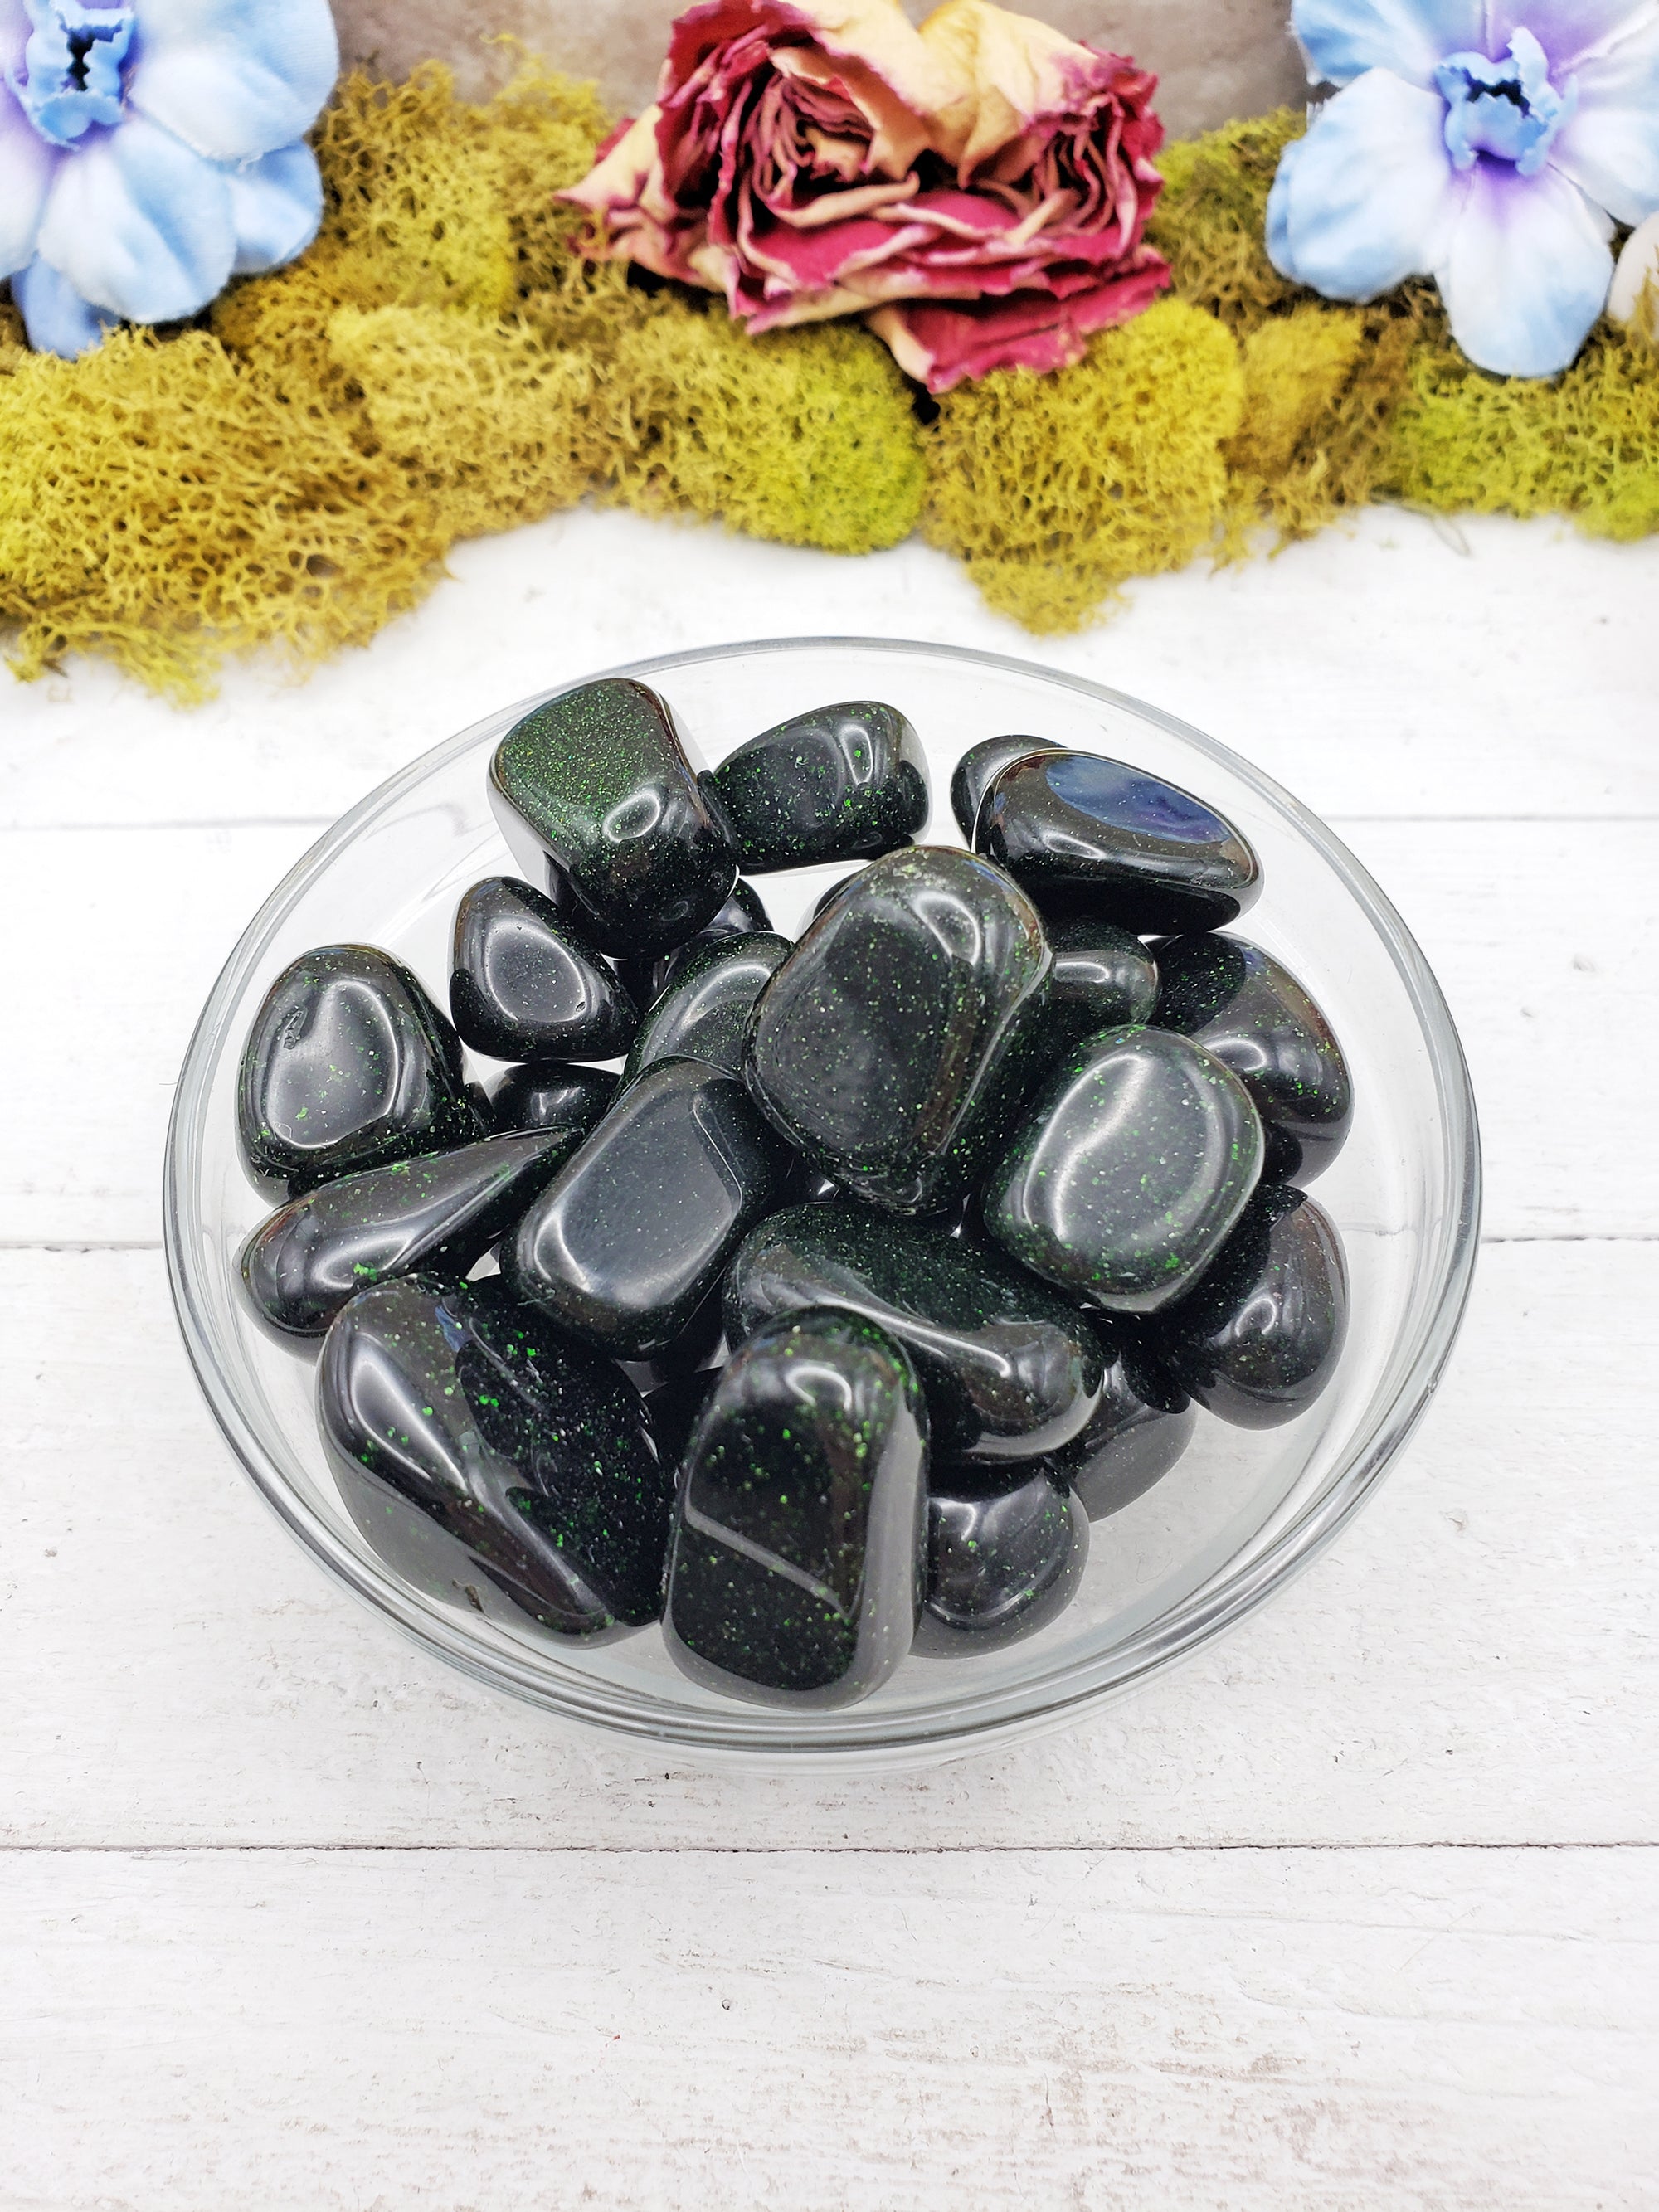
x=1247, y=1009
x=553, y=1096
x=349, y=1065
x=795, y=1571
x=492, y=1461
x=633, y=1232
x=1138, y=1431
x=1260, y=1336
x=440, y=1213
x=1001, y=1563
x=704, y=1012
x=891, y=1043
x=1082, y=834
x=1103, y=978
x=1137, y=1158
x=979, y=768
x=1009, y=1368
x=597, y=780
x=841, y=783
x=524, y=986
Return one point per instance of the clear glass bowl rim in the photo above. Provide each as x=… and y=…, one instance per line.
x=751, y=1735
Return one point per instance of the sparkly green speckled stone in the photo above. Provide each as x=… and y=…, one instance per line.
x=1010, y=1368
x=1103, y=978
x=704, y=1012
x=1138, y=1431
x=1001, y=1563
x=598, y=782
x=349, y=1065
x=795, y=1572
x=979, y=768
x=1136, y=1159
x=890, y=1044
x=563, y=1097
x=524, y=986
x=492, y=1462
x=440, y=1213
x=841, y=783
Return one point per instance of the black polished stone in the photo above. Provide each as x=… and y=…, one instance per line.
x=1260, y=1336
x=795, y=1571
x=440, y=1213
x=673, y=1407
x=599, y=781
x=1001, y=1563
x=1137, y=1157
x=840, y=783
x=979, y=768
x=1098, y=836
x=1010, y=1368
x=523, y=985
x=890, y=1046
x=743, y=912
x=704, y=1010
x=1137, y=1433
x=349, y=1065
x=1247, y=1009
x=491, y=1459
x=1103, y=978
x=553, y=1097
x=633, y=1232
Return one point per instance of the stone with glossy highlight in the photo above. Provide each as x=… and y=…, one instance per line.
x=1136, y=1434
x=553, y=1096
x=979, y=768
x=704, y=1009
x=795, y=1573
x=839, y=783
x=1001, y=1563
x=524, y=986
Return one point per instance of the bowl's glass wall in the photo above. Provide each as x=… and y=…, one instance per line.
x=1241, y=1511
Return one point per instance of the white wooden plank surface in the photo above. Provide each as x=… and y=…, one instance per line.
x=1317, y=2032
x=1358, y=1910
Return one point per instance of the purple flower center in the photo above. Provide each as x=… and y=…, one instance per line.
x=71, y=75
x=1507, y=109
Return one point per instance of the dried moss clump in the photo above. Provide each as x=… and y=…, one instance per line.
x=1055, y=490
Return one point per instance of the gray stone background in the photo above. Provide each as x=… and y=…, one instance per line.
x=1215, y=59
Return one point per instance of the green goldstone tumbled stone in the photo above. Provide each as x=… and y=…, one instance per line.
x=524, y=986
x=1103, y=978
x=979, y=768
x=634, y=1231
x=349, y=1065
x=492, y=1462
x=1136, y=1159
x=892, y=1043
x=598, y=782
x=440, y=1213
x=1001, y=1563
x=1138, y=1432
x=1010, y=1368
x=841, y=783
x=795, y=1570
x=704, y=1009
x=563, y=1097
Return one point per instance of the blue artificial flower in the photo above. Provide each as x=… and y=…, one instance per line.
x=151, y=152
x=1491, y=144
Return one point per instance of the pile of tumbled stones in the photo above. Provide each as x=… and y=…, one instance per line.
x=893, y=1257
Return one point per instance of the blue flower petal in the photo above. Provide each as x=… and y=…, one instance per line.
x=15, y=30
x=1368, y=198
x=139, y=224
x=57, y=319
x=26, y=165
x=1610, y=147
x=1343, y=38
x=276, y=205
x=1569, y=31
x=235, y=78
x=1526, y=272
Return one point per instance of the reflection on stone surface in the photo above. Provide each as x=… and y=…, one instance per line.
x=597, y=780
x=1136, y=1434
x=704, y=1009
x=524, y=986
x=979, y=768
x=795, y=1575
x=1098, y=836
x=633, y=1232
x=554, y=1097
x=889, y=1045
x=1010, y=1368
x=1136, y=1159
x=349, y=1065
x=1001, y=1563
x=490, y=1458
x=1247, y=1009
x=1103, y=978
x=440, y=1213
x=839, y=783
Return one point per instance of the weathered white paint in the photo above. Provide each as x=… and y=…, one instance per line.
x=1357, y=1910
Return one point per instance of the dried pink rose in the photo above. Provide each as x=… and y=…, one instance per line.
x=979, y=188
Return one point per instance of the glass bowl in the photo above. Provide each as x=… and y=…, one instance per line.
x=1239, y=1514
